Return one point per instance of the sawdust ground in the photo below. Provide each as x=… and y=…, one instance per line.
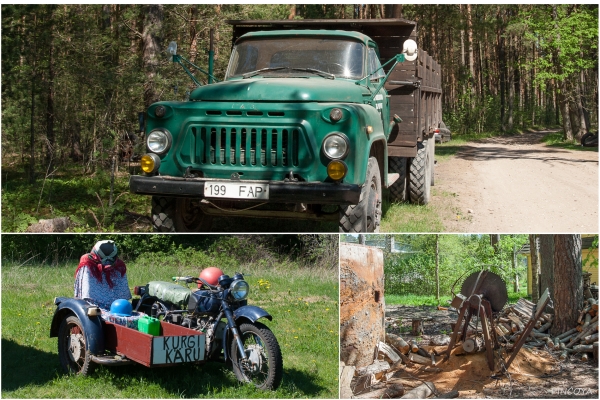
x=534, y=373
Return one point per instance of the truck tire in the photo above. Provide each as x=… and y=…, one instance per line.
x=366, y=215
x=398, y=188
x=189, y=217
x=163, y=212
x=432, y=160
x=419, y=179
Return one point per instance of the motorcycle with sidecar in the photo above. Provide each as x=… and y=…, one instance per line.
x=211, y=323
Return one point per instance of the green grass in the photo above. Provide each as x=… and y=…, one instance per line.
x=302, y=301
x=430, y=300
x=405, y=217
x=69, y=192
x=415, y=300
x=555, y=139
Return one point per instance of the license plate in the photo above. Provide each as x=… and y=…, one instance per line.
x=177, y=349
x=237, y=190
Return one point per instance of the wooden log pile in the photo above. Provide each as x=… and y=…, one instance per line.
x=582, y=339
x=379, y=380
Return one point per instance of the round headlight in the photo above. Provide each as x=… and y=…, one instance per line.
x=335, y=114
x=335, y=146
x=239, y=289
x=337, y=170
x=159, y=141
x=149, y=163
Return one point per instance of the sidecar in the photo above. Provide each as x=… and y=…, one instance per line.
x=86, y=339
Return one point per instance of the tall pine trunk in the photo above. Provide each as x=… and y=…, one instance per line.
x=535, y=267
x=547, y=263
x=568, y=284
x=151, y=42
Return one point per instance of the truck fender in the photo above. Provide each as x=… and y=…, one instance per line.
x=241, y=315
x=92, y=325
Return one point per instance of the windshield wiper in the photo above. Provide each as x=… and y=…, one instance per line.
x=313, y=70
x=316, y=71
x=258, y=71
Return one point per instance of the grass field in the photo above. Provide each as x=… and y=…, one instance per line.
x=414, y=300
x=302, y=301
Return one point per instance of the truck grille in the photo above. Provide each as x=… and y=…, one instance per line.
x=245, y=146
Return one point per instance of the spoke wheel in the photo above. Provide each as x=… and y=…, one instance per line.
x=263, y=366
x=72, y=349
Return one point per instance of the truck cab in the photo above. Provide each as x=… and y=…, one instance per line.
x=299, y=128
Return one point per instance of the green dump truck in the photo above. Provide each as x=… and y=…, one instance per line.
x=313, y=119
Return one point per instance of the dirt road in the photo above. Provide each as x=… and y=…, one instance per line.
x=518, y=185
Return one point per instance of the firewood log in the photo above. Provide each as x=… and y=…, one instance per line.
x=391, y=392
x=567, y=333
x=414, y=357
x=413, y=346
x=591, y=338
x=591, y=328
x=583, y=348
x=397, y=342
x=421, y=392
x=545, y=327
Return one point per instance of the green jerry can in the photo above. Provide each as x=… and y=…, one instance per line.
x=149, y=325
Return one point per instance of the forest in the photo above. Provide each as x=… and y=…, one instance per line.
x=77, y=78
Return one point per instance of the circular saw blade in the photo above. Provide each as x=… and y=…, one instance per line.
x=489, y=285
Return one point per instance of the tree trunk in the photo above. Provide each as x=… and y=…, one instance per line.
x=32, y=120
x=397, y=11
x=51, y=139
x=568, y=284
x=151, y=42
x=495, y=242
x=193, y=32
x=546, y=263
x=517, y=288
x=535, y=267
x=437, y=268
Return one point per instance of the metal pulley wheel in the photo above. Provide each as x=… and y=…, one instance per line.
x=489, y=285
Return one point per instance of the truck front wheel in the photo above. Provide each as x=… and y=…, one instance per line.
x=163, y=211
x=179, y=215
x=366, y=215
x=420, y=175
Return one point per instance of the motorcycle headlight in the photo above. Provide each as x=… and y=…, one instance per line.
x=335, y=146
x=159, y=141
x=239, y=289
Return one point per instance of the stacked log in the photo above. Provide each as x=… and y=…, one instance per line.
x=581, y=339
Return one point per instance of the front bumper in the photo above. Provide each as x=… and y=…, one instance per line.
x=279, y=192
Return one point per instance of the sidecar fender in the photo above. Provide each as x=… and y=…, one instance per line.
x=92, y=325
x=251, y=313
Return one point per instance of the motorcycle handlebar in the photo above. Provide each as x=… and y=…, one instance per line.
x=192, y=279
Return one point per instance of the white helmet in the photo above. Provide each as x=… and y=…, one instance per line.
x=106, y=250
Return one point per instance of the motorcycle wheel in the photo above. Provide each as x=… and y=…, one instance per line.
x=72, y=350
x=264, y=368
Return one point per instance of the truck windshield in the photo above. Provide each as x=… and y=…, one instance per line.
x=297, y=55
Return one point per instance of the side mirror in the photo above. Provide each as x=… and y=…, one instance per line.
x=172, y=48
x=409, y=49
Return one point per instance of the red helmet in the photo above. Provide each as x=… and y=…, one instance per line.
x=210, y=275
